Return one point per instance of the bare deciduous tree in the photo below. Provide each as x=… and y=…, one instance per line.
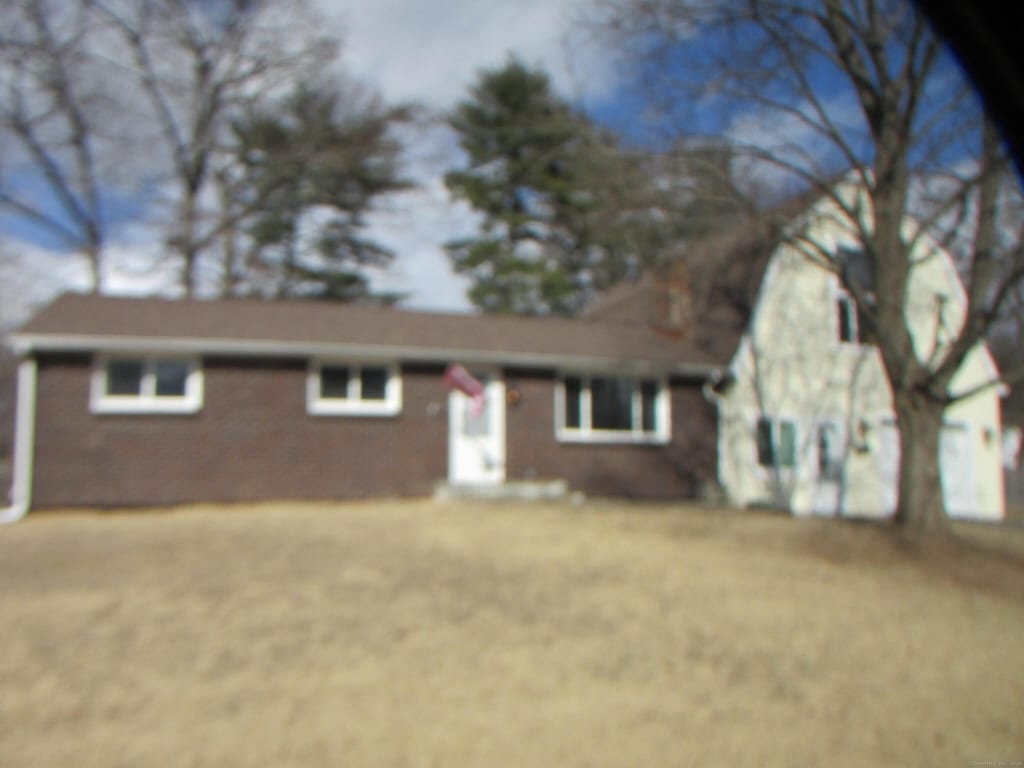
x=51, y=107
x=814, y=90
x=198, y=65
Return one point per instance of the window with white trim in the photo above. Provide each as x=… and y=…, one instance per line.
x=776, y=442
x=130, y=383
x=600, y=408
x=353, y=389
x=851, y=325
x=846, y=315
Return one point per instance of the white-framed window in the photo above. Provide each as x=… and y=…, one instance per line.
x=611, y=409
x=146, y=383
x=776, y=442
x=346, y=388
x=847, y=322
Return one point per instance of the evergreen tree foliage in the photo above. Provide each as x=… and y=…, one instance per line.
x=312, y=171
x=554, y=193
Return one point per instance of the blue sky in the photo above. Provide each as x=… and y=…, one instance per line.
x=119, y=211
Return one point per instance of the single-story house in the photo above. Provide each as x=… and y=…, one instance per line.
x=131, y=402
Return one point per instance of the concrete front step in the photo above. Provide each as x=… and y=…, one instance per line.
x=515, y=490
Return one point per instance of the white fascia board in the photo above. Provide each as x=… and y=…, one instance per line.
x=26, y=344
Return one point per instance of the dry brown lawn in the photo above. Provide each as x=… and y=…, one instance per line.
x=420, y=634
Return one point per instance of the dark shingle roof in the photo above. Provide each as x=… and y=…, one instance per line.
x=704, y=298
x=75, y=321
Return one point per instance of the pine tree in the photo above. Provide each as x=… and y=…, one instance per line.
x=312, y=171
x=544, y=179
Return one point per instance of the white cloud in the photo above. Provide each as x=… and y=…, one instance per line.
x=417, y=223
x=31, y=276
x=430, y=52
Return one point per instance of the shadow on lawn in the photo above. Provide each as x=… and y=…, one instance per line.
x=977, y=556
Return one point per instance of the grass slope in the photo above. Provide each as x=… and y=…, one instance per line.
x=417, y=634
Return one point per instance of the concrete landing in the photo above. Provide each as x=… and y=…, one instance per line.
x=515, y=490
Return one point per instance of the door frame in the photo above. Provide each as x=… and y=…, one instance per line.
x=491, y=447
x=827, y=492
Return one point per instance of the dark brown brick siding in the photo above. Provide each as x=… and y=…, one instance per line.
x=676, y=470
x=253, y=439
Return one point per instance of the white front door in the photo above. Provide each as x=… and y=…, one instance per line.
x=476, y=433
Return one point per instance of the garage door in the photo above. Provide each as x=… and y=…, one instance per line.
x=956, y=466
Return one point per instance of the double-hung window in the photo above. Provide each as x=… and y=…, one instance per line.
x=612, y=409
x=776, y=442
x=126, y=383
x=353, y=389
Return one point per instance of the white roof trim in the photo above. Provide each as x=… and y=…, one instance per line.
x=26, y=343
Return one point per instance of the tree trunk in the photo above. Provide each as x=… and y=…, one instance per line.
x=93, y=256
x=187, y=242
x=188, y=273
x=228, y=267
x=229, y=241
x=920, y=506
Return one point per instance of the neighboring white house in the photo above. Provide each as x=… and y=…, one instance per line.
x=806, y=420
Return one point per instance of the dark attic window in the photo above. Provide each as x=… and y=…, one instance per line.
x=856, y=270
